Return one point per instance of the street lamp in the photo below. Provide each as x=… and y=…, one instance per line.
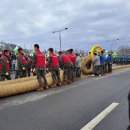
x=59, y=31
x=112, y=44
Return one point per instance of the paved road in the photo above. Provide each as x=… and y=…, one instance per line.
x=70, y=107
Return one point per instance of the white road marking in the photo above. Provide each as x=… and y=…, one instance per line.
x=93, y=123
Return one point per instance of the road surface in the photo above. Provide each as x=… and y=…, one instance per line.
x=93, y=103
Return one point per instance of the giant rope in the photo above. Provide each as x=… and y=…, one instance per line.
x=13, y=87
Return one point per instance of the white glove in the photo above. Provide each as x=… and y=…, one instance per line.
x=7, y=74
x=34, y=70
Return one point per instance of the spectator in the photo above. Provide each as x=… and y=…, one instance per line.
x=78, y=66
x=102, y=60
x=109, y=63
x=96, y=64
x=16, y=68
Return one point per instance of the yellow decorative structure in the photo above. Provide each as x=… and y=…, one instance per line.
x=22, y=85
x=96, y=48
x=88, y=60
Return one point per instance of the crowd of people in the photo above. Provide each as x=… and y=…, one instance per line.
x=122, y=60
x=102, y=63
x=40, y=64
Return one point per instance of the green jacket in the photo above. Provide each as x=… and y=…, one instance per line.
x=20, y=64
x=29, y=64
x=3, y=63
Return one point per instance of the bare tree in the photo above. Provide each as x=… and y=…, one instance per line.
x=124, y=50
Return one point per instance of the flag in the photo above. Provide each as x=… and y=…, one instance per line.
x=47, y=54
x=16, y=50
x=32, y=53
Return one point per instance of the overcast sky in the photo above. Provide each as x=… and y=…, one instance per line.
x=89, y=22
